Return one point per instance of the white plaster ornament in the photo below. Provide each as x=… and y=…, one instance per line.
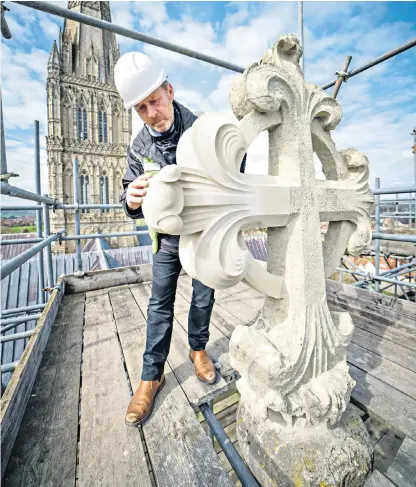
x=298, y=365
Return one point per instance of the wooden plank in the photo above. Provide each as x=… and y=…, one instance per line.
x=386, y=449
x=221, y=404
x=248, y=295
x=402, y=307
x=391, y=333
x=225, y=300
x=224, y=459
x=46, y=446
x=402, y=471
x=18, y=390
x=180, y=452
x=392, y=351
x=225, y=417
x=393, y=374
x=234, y=479
x=389, y=310
x=218, y=344
x=110, y=453
x=89, y=281
x=242, y=314
x=222, y=319
x=376, y=429
x=378, y=480
x=382, y=400
x=231, y=431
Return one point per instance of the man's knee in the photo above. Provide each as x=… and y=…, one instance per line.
x=202, y=295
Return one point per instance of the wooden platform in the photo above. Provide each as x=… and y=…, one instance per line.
x=73, y=430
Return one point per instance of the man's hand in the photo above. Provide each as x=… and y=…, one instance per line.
x=136, y=190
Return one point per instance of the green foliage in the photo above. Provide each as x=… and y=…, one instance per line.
x=26, y=229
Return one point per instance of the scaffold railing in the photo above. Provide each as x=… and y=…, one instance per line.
x=44, y=203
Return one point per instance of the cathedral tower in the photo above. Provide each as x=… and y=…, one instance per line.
x=86, y=119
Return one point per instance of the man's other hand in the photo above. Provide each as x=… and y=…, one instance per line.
x=136, y=190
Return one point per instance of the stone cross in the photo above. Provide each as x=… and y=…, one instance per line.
x=292, y=361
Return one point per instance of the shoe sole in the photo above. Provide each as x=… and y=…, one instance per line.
x=149, y=413
x=204, y=380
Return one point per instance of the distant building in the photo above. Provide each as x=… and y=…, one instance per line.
x=86, y=119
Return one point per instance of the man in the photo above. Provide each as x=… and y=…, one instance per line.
x=143, y=86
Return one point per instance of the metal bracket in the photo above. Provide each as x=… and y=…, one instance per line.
x=55, y=205
x=343, y=75
x=51, y=289
x=5, y=177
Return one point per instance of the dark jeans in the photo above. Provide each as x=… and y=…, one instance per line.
x=166, y=268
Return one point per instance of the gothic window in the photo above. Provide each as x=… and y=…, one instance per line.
x=101, y=190
x=104, y=192
x=116, y=125
x=87, y=190
x=85, y=124
x=73, y=57
x=68, y=188
x=84, y=190
x=81, y=183
x=82, y=122
x=105, y=127
x=102, y=126
x=107, y=192
x=117, y=187
x=79, y=122
x=67, y=118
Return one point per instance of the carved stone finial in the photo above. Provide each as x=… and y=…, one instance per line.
x=294, y=381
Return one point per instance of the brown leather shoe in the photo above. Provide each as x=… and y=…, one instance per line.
x=204, y=366
x=142, y=402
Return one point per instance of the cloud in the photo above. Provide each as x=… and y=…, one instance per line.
x=378, y=105
x=20, y=159
x=23, y=87
x=150, y=13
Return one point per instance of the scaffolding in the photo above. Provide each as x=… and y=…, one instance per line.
x=399, y=277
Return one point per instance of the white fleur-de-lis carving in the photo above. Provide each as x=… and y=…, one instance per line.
x=208, y=202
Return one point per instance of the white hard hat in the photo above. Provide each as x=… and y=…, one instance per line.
x=136, y=76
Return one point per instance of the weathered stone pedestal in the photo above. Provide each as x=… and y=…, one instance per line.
x=319, y=456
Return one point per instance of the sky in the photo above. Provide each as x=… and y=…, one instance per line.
x=379, y=105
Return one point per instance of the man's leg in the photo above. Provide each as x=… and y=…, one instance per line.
x=199, y=315
x=165, y=270
x=165, y=273
x=198, y=330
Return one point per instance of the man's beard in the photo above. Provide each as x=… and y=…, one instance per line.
x=162, y=125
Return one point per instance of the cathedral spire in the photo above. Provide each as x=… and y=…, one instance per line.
x=54, y=57
x=53, y=63
x=93, y=51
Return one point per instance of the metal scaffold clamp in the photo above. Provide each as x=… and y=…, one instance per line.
x=51, y=289
x=55, y=204
x=343, y=75
x=5, y=177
